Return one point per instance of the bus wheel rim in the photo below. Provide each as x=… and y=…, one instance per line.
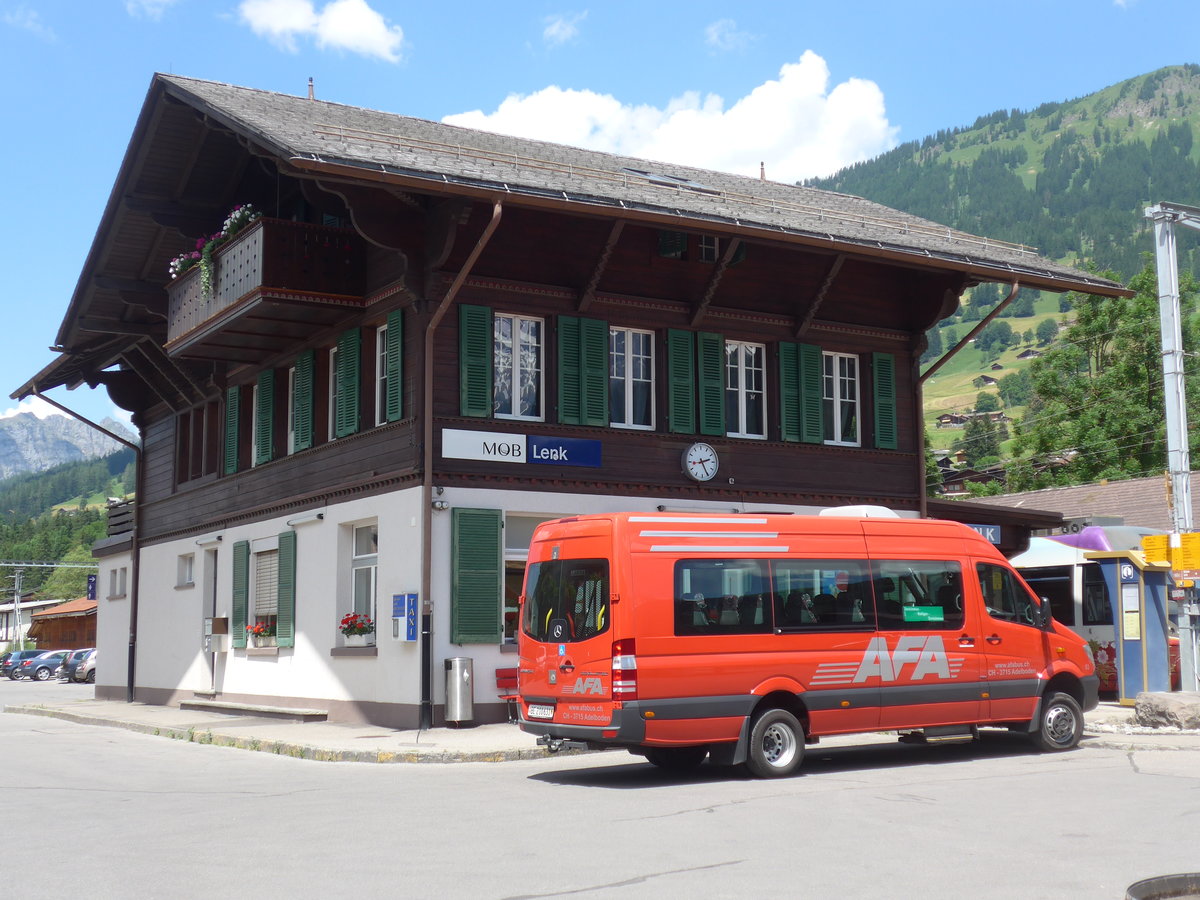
x=778, y=745
x=1060, y=724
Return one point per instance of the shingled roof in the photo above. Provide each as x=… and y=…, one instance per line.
x=1139, y=501
x=317, y=135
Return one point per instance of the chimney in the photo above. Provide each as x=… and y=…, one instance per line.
x=312, y=95
x=762, y=171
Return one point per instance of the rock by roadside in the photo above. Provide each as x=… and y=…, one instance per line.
x=1168, y=710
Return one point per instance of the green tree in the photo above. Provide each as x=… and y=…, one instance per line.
x=68, y=583
x=986, y=401
x=1047, y=331
x=1098, y=396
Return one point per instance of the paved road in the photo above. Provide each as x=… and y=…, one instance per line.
x=155, y=818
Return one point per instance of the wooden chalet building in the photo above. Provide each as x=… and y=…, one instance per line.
x=436, y=338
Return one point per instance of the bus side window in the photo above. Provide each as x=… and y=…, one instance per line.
x=1004, y=596
x=919, y=594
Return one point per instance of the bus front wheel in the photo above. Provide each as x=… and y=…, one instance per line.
x=776, y=744
x=1060, y=723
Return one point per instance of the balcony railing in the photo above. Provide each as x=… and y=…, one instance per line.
x=272, y=259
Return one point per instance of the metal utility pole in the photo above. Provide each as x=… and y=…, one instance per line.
x=1165, y=216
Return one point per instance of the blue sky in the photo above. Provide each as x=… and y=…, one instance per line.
x=803, y=87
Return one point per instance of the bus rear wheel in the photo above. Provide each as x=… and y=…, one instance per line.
x=1060, y=723
x=776, y=744
x=676, y=759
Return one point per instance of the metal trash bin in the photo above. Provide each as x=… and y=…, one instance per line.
x=460, y=691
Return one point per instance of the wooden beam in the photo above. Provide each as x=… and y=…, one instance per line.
x=115, y=326
x=713, y=282
x=589, y=292
x=819, y=297
x=153, y=379
x=380, y=216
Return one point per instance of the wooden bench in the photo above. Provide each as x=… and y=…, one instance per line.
x=506, y=684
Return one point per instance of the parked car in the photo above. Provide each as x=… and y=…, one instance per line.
x=66, y=671
x=40, y=667
x=13, y=659
x=86, y=670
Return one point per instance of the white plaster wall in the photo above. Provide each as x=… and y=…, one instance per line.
x=170, y=654
x=112, y=624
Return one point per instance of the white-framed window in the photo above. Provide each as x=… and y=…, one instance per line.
x=517, y=367
x=364, y=564
x=117, y=582
x=291, y=410
x=381, y=378
x=710, y=248
x=630, y=378
x=333, y=393
x=839, y=395
x=745, y=389
x=185, y=570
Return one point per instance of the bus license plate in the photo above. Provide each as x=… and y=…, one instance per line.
x=537, y=711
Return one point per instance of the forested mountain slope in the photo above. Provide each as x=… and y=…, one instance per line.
x=1069, y=178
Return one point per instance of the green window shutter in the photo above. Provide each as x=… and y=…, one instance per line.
x=264, y=415
x=475, y=351
x=710, y=363
x=285, y=613
x=812, y=430
x=884, y=374
x=570, y=390
x=789, y=392
x=593, y=365
x=476, y=588
x=672, y=244
x=233, y=410
x=394, y=339
x=681, y=381
x=348, y=346
x=302, y=401
x=241, y=592
x=582, y=371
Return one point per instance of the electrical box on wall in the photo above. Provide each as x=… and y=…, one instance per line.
x=216, y=635
x=404, y=617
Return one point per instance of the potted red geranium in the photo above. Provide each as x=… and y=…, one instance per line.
x=357, y=627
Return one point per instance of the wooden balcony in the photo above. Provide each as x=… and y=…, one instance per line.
x=274, y=285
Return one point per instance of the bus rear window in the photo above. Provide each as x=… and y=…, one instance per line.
x=566, y=600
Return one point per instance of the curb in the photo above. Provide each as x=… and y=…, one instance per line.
x=283, y=748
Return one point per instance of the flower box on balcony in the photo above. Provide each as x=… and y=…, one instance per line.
x=275, y=263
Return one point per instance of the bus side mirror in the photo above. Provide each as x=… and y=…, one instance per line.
x=1042, y=615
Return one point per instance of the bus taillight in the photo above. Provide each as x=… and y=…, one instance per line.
x=624, y=670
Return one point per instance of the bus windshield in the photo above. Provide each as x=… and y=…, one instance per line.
x=566, y=600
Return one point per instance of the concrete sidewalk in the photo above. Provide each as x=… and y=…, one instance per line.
x=1108, y=726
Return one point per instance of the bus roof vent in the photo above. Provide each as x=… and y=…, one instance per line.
x=862, y=511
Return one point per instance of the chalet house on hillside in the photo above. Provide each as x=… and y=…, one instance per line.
x=436, y=338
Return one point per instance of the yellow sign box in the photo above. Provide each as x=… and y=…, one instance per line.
x=1157, y=548
x=1189, y=555
x=1184, y=558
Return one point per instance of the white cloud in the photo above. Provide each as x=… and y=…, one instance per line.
x=350, y=25
x=28, y=20
x=794, y=124
x=723, y=36
x=148, y=9
x=560, y=29
x=35, y=405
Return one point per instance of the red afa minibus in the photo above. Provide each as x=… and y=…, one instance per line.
x=742, y=638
